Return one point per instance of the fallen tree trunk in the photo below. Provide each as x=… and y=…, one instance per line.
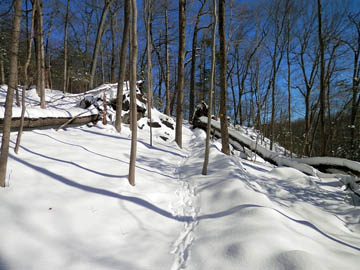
x=327, y=163
x=318, y=166
x=50, y=121
x=70, y=120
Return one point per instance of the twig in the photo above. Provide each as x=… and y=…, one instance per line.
x=69, y=121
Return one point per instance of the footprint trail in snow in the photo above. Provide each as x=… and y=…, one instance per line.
x=186, y=205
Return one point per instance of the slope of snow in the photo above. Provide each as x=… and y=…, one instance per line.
x=253, y=217
x=60, y=105
x=68, y=205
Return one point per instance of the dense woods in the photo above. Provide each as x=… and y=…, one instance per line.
x=289, y=68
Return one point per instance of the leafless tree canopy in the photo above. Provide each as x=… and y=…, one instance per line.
x=289, y=68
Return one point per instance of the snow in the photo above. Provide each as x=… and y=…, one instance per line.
x=250, y=139
x=253, y=217
x=68, y=205
x=353, y=165
x=60, y=105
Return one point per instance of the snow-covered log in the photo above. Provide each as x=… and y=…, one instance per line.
x=333, y=163
x=51, y=121
x=310, y=166
x=95, y=98
x=76, y=108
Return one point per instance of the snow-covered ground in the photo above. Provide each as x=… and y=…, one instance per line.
x=68, y=205
x=57, y=105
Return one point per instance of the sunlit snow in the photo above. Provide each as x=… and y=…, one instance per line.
x=68, y=205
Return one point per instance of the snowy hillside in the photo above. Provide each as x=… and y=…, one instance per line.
x=64, y=105
x=68, y=205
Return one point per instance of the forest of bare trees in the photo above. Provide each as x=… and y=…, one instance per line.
x=289, y=68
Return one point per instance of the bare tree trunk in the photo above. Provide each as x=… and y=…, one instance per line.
x=47, y=63
x=355, y=100
x=40, y=54
x=180, y=84
x=66, y=47
x=167, y=74
x=331, y=65
x=162, y=72
x=232, y=86
x=272, y=123
x=102, y=64
x=193, y=60
x=241, y=90
x=309, y=82
x=223, y=85
x=14, y=49
x=122, y=66
x=133, y=107
x=322, y=83
x=212, y=78
x=289, y=81
x=257, y=96
x=149, y=83
x=173, y=98
x=105, y=109
x=241, y=82
x=2, y=70
x=26, y=78
x=160, y=98
x=112, y=73
x=98, y=42
x=289, y=95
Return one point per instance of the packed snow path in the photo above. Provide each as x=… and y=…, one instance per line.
x=69, y=206
x=187, y=205
x=254, y=216
x=249, y=215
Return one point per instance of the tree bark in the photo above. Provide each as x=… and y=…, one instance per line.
x=212, y=77
x=66, y=47
x=10, y=94
x=322, y=82
x=180, y=84
x=223, y=83
x=167, y=74
x=112, y=72
x=309, y=81
x=102, y=64
x=122, y=66
x=26, y=78
x=161, y=74
x=193, y=60
x=133, y=118
x=40, y=85
x=2, y=70
x=149, y=83
x=47, y=63
x=289, y=84
x=355, y=100
x=98, y=42
x=276, y=57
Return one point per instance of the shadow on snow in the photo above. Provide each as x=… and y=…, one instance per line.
x=163, y=212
